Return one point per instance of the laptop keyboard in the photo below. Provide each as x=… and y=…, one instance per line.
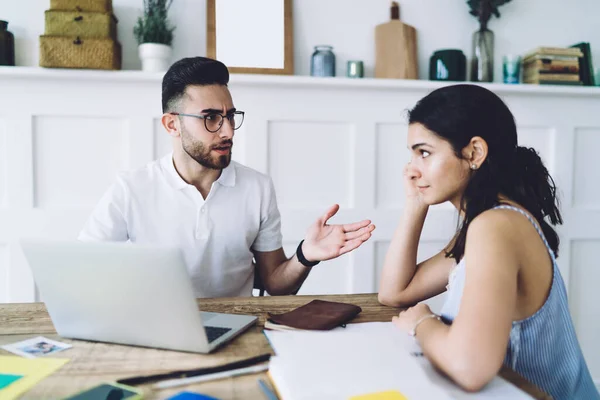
x=215, y=332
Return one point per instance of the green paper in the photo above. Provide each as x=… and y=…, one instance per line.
x=6, y=380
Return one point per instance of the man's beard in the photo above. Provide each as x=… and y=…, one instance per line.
x=202, y=155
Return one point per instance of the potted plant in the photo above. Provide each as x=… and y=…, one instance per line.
x=482, y=61
x=154, y=36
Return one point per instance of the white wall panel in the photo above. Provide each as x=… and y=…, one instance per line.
x=586, y=174
x=4, y=282
x=3, y=160
x=21, y=288
x=392, y=156
x=76, y=159
x=162, y=140
x=310, y=163
x=583, y=299
x=541, y=139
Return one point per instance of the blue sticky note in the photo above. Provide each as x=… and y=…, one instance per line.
x=6, y=380
x=191, y=396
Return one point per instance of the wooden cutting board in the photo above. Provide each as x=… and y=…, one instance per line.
x=396, y=51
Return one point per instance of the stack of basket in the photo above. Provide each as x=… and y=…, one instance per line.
x=80, y=34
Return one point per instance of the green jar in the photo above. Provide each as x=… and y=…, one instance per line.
x=7, y=45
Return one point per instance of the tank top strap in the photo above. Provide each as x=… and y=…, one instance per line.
x=535, y=225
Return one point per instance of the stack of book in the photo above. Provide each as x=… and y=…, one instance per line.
x=552, y=66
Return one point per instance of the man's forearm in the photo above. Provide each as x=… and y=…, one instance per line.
x=287, y=277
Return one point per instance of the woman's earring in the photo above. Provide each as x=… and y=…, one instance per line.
x=473, y=166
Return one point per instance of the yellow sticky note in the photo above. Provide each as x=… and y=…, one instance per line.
x=387, y=395
x=31, y=370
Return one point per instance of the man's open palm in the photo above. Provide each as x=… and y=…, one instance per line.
x=324, y=242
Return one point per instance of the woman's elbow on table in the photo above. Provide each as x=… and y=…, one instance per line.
x=472, y=383
x=397, y=299
x=471, y=374
x=389, y=300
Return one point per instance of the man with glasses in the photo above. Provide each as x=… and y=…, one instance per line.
x=221, y=214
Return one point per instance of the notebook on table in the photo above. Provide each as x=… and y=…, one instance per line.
x=360, y=360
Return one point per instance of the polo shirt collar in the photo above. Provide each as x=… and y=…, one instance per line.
x=227, y=177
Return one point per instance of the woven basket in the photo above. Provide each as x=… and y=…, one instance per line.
x=82, y=5
x=69, y=52
x=82, y=24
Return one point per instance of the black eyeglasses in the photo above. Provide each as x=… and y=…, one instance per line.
x=214, y=121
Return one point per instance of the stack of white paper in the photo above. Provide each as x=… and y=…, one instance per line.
x=362, y=359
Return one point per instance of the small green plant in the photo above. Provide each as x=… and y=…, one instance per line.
x=484, y=9
x=153, y=26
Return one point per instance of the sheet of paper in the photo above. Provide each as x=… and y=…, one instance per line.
x=31, y=371
x=346, y=362
x=498, y=388
x=371, y=357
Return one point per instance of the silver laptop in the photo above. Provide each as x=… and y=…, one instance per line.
x=125, y=293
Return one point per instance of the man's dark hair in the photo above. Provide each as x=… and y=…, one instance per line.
x=200, y=71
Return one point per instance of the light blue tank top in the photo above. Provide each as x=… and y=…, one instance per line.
x=542, y=348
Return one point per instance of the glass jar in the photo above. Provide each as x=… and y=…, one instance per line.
x=7, y=45
x=322, y=62
x=355, y=69
x=482, y=62
x=511, y=68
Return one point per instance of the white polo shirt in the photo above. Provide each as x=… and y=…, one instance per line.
x=154, y=205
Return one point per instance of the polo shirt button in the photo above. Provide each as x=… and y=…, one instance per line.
x=202, y=209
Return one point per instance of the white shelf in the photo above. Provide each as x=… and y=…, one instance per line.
x=77, y=74
x=30, y=73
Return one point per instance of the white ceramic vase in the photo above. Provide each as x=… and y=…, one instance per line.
x=155, y=57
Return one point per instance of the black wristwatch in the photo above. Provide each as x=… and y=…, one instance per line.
x=303, y=259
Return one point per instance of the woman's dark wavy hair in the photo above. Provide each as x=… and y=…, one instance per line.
x=460, y=112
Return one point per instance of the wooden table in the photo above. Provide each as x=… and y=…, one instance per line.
x=92, y=363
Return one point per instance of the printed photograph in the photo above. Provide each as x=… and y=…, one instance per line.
x=36, y=347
